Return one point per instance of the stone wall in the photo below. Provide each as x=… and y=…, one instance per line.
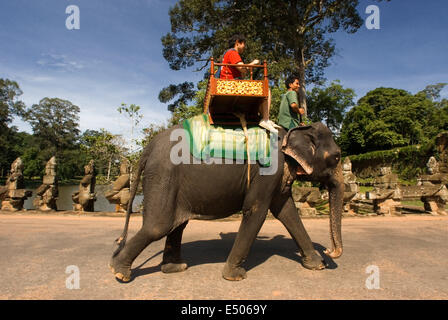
x=408, y=161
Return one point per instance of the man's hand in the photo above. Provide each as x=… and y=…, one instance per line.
x=301, y=111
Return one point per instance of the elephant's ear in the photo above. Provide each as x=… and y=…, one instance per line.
x=298, y=144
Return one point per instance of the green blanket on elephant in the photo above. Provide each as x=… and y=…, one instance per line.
x=226, y=142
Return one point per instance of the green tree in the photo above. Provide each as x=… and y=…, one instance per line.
x=70, y=161
x=183, y=111
x=9, y=103
x=353, y=133
x=105, y=148
x=381, y=98
x=71, y=164
x=10, y=106
x=293, y=36
x=380, y=135
x=55, y=123
x=387, y=118
x=149, y=133
x=179, y=114
x=132, y=113
x=276, y=98
x=184, y=91
x=33, y=159
x=442, y=118
x=329, y=104
x=432, y=91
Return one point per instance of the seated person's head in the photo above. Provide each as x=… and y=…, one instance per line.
x=238, y=42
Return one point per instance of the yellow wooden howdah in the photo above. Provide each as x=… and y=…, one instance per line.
x=239, y=87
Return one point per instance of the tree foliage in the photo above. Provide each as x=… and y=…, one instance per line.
x=32, y=156
x=432, y=91
x=184, y=91
x=55, y=122
x=386, y=118
x=293, y=36
x=329, y=104
x=105, y=148
x=55, y=125
x=10, y=105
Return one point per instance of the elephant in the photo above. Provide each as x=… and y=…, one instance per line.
x=175, y=193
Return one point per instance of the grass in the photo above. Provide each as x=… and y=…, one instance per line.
x=364, y=189
x=416, y=203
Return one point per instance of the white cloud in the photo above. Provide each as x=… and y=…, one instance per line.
x=98, y=97
x=59, y=62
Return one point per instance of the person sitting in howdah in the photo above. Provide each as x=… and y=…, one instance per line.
x=237, y=44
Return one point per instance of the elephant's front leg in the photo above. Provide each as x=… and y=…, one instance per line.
x=283, y=209
x=250, y=226
x=172, y=260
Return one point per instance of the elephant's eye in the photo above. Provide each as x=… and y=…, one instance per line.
x=333, y=159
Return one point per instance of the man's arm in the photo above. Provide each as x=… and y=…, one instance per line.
x=294, y=102
x=243, y=70
x=295, y=107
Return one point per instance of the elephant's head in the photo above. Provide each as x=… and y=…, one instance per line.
x=314, y=154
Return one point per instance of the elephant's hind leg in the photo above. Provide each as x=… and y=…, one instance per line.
x=172, y=260
x=121, y=263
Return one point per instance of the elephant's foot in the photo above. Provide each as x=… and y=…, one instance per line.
x=172, y=267
x=233, y=273
x=313, y=262
x=122, y=273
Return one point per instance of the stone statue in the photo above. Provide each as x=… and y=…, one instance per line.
x=433, y=186
x=432, y=166
x=86, y=196
x=386, y=193
x=120, y=189
x=438, y=170
x=386, y=179
x=351, y=191
x=47, y=193
x=13, y=194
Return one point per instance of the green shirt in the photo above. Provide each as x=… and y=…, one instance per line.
x=287, y=117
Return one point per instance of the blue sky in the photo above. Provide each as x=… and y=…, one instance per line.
x=116, y=55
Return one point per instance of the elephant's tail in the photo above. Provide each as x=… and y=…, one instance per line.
x=120, y=241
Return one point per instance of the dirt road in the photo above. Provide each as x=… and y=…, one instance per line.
x=384, y=258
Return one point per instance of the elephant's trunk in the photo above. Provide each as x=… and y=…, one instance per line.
x=336, y=195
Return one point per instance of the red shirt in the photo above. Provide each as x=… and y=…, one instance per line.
x=232, y=57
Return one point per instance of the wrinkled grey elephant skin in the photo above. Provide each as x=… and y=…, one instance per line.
x=174, y=194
